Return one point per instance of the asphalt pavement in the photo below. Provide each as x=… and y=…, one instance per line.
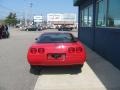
x=15, y=72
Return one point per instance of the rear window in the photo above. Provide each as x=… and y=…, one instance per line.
x=56, y=38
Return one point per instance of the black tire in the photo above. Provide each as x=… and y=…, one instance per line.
x=33, y=66
x=81, y=65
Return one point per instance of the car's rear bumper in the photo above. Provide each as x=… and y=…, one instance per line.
x=56, y=62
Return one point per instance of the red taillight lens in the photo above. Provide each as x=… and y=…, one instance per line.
x=71, y=50
x=78, y=49
x=41, y=50
x=33, y=50
x=75, y=49
x=37, y=50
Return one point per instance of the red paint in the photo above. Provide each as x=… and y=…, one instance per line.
x=56, y=54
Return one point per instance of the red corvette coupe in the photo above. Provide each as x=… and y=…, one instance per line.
x=56, y=49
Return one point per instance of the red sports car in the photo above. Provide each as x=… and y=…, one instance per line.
x=56, y=49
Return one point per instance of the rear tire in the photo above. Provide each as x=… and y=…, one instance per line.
x=33, y=67
x=81, y=65
x=35, y=70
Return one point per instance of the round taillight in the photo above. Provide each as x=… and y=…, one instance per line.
x=41, y=50
x=71, y=50
x=33, y=50
x=78, y=49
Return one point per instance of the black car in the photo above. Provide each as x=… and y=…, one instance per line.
x=5, y=34
x=31, y=28
x=65, y=28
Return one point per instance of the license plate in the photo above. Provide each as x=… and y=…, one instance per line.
x=56, y=56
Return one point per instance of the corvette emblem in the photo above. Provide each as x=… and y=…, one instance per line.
x=56, y=56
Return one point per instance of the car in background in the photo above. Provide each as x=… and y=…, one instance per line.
x=40, y=28
x=5, y=32
x=31, y=28
x=22, y=28
x=56, y=49
x=65, y=28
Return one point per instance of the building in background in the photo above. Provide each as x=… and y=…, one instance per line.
x=38, y=20
x=55, y=20
x=99, y=27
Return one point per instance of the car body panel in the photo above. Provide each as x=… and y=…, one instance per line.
x=59, y=50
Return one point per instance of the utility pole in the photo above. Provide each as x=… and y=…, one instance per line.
x=30, y=12
x=25, y=13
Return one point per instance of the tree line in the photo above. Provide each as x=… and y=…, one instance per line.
x=11, y=19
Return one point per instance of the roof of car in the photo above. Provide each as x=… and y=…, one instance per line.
x=56, y=33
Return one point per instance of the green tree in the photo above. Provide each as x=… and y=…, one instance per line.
x=11, y=19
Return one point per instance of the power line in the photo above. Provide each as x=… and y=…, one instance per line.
x=6, y=8
x=9, y=9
